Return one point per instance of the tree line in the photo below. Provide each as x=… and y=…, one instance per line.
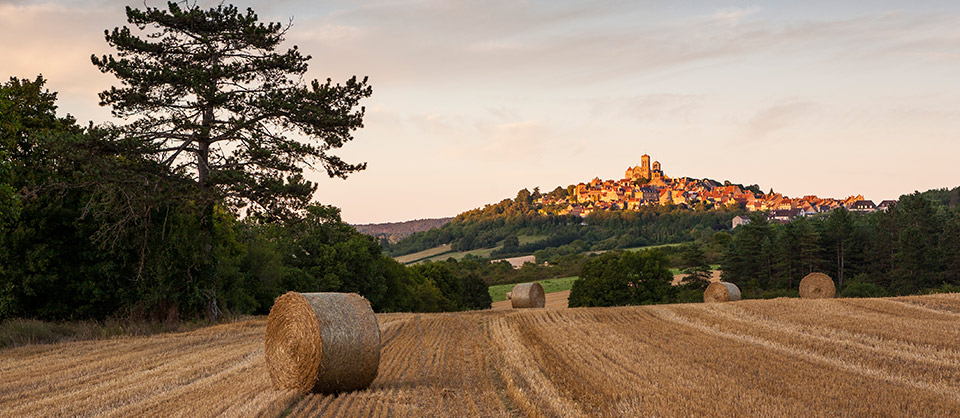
x=912, y=247
x=195, y=203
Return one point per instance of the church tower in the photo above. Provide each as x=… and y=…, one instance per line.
x=645, y=166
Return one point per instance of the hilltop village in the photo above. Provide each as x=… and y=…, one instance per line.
x=646, y=184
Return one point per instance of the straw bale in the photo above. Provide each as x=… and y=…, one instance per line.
x=817, y=286
x=322, y=342
x=721, y=292
x=528, y=295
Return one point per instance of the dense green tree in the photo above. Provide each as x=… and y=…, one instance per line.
x=880, y=251
x=524, y=197
x=919, y=256
x=749, y=260
x=839, y=233
x=950, y=242
x=400, y=286
x=48, y=267
x=623, y=278
x=9, y=123
x=445, y=280
x=558, y=193
x=943, y=197
x=862, y=287
x=327, y=255
x=721, y=238
x=511, y=243
x=798, y=253
x=261, y=266
x=474, y=293
x=165, y=279
x=207, y=94
x=9, y=204
x=58, y=263
x=693, y=264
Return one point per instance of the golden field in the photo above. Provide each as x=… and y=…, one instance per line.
x=783, y=357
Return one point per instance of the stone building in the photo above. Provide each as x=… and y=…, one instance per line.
x=644, y=171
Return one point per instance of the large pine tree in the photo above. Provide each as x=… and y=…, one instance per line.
x=208, y=94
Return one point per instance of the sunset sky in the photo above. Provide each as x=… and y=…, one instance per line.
x=474, y=100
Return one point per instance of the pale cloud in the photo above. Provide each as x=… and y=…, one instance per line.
x=498, y=46
x=327, y=33
x=734, y=15
x=671, y=106
x=518, y=141
x=775, y=118
x=492, y=138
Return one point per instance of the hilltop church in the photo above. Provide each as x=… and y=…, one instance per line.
x=645, y=173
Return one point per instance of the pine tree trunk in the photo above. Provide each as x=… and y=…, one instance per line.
x=206, y=214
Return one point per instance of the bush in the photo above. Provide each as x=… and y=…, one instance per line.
x=862, y=290
x=624, y=278
x=474, y=294
x=945, y=288
x=689, y=294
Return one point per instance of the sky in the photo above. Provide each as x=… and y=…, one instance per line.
x=475, y=100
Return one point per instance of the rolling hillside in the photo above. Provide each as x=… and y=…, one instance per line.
x=783, y=357
x=396, y=231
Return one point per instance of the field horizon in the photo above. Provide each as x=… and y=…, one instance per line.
x=884, y=356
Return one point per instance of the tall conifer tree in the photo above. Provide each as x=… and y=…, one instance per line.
x=209, y=94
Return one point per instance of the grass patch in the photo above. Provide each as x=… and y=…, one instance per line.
x=498, y=292
x=443, y=252
x=526, y=239
x=18, y=332
x=483, y=252
x=417, y=256
x=650, y=247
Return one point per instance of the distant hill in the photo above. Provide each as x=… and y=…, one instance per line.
x=396, y=231
x=644, y=208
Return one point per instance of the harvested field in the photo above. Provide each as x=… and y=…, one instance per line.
x=554, y=300
x=497, y=292
x=782, y=357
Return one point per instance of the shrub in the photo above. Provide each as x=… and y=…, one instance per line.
x=862, y=290
x=624, y=278
x=945, y=288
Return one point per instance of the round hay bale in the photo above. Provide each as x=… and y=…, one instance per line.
x=509, y=295
x=817, y=286
x=528, y=295
x=721, y=292
x=322, y=342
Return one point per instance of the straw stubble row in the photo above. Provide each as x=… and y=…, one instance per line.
x=865, y=357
